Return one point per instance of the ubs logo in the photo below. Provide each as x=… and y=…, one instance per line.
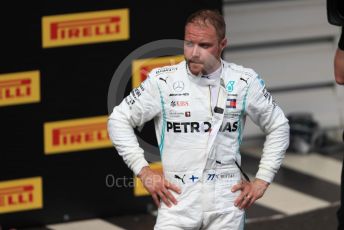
x=178, y=86
x=179, y=103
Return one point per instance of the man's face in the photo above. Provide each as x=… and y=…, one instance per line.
x=202, y=48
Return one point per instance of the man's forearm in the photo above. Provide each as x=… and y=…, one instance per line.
x=276, y=143
x=124, y=139
x=339, y=66
x=339, y=60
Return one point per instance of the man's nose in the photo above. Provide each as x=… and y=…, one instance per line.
x=195, y=51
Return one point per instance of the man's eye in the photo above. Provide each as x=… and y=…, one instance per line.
x=205, y=46
x=189, y=44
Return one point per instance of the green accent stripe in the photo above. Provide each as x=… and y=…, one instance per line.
x=162, y=137
x=240, y=118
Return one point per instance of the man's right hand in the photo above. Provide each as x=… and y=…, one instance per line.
x=158, y=186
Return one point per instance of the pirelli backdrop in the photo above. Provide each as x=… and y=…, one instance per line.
x=57, y=59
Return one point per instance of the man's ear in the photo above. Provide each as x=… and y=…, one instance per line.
x=223, y=43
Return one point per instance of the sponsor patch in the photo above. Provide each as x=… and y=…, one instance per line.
x=231, y=103
x=230, y=86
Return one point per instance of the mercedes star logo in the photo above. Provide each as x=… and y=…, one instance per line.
x=178, y=86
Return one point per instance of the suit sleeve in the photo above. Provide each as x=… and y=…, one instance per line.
x=140, y=106
x=265, y=113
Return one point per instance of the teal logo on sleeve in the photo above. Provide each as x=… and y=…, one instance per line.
x=261, y=81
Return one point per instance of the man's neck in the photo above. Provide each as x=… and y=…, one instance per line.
x=214, y=69
x=214, y=74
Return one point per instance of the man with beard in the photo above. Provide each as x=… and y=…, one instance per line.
x=199, y=108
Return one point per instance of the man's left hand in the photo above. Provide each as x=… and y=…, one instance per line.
x=250, y=192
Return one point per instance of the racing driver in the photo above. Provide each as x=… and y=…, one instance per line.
x=199, y=108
